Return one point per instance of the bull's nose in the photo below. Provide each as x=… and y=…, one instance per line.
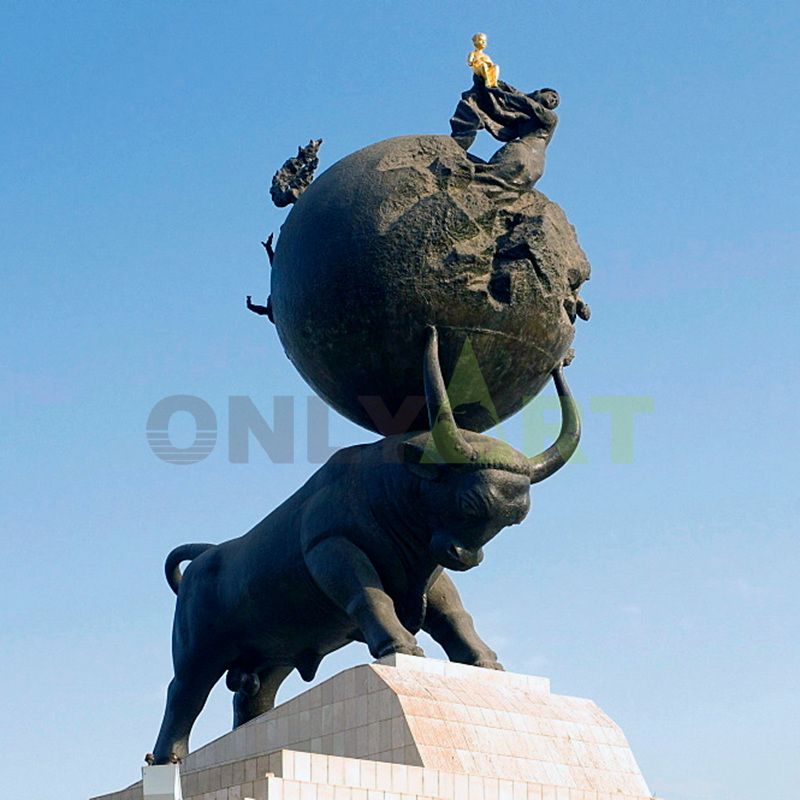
x=469, y=558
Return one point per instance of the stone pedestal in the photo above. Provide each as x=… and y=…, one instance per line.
x=161, y=783
x=407, y=728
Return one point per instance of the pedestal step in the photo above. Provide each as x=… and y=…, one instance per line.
x=293, y=775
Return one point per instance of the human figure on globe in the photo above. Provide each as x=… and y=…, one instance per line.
x=525, y=121
x=264, y=311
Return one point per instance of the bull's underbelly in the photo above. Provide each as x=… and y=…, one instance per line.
x=260, y=655
x=284, y=619
x=307, y=625
x=256, y=605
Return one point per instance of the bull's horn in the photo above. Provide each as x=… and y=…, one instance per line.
x=552, y=459
x=449, y=440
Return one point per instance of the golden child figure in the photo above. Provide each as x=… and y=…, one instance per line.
x=481, y=62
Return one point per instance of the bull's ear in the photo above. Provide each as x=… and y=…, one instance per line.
x=411, y=456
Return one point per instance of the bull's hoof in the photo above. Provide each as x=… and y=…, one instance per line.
x=152, y=761
x=402, y=649
x=487, y=663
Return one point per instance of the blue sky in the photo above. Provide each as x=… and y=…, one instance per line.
x=137, y=142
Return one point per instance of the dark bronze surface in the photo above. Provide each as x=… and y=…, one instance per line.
x=409, y=232
x=356, y=554
x=426, y=295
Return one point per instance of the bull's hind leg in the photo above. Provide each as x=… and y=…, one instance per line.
x=248, y=705
x=186, y=697
x=348, y=577
x=449, y=623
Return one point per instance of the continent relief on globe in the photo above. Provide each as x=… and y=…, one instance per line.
x=410, y=232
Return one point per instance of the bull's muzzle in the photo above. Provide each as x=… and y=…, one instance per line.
x=453, y=556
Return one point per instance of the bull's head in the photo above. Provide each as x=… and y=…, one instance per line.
x=475, y=485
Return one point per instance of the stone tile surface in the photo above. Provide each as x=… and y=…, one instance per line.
x=408, y=727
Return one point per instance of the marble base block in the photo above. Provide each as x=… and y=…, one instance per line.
x=161, y=782
x=406, y=728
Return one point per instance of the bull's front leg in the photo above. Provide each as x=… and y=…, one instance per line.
x=449, y=623
x=348, y=578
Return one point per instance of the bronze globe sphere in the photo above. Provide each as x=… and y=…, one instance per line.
x=413, y=231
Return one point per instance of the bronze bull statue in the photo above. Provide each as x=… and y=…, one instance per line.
x=357, y=553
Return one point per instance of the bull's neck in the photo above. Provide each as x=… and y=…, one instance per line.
x=393, y=495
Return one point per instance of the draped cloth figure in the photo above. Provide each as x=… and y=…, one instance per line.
x=525, y=121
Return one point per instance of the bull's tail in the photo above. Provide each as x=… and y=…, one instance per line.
x=172, y=566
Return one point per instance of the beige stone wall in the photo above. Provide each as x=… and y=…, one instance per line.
x=406, y=728
x=292, y=775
